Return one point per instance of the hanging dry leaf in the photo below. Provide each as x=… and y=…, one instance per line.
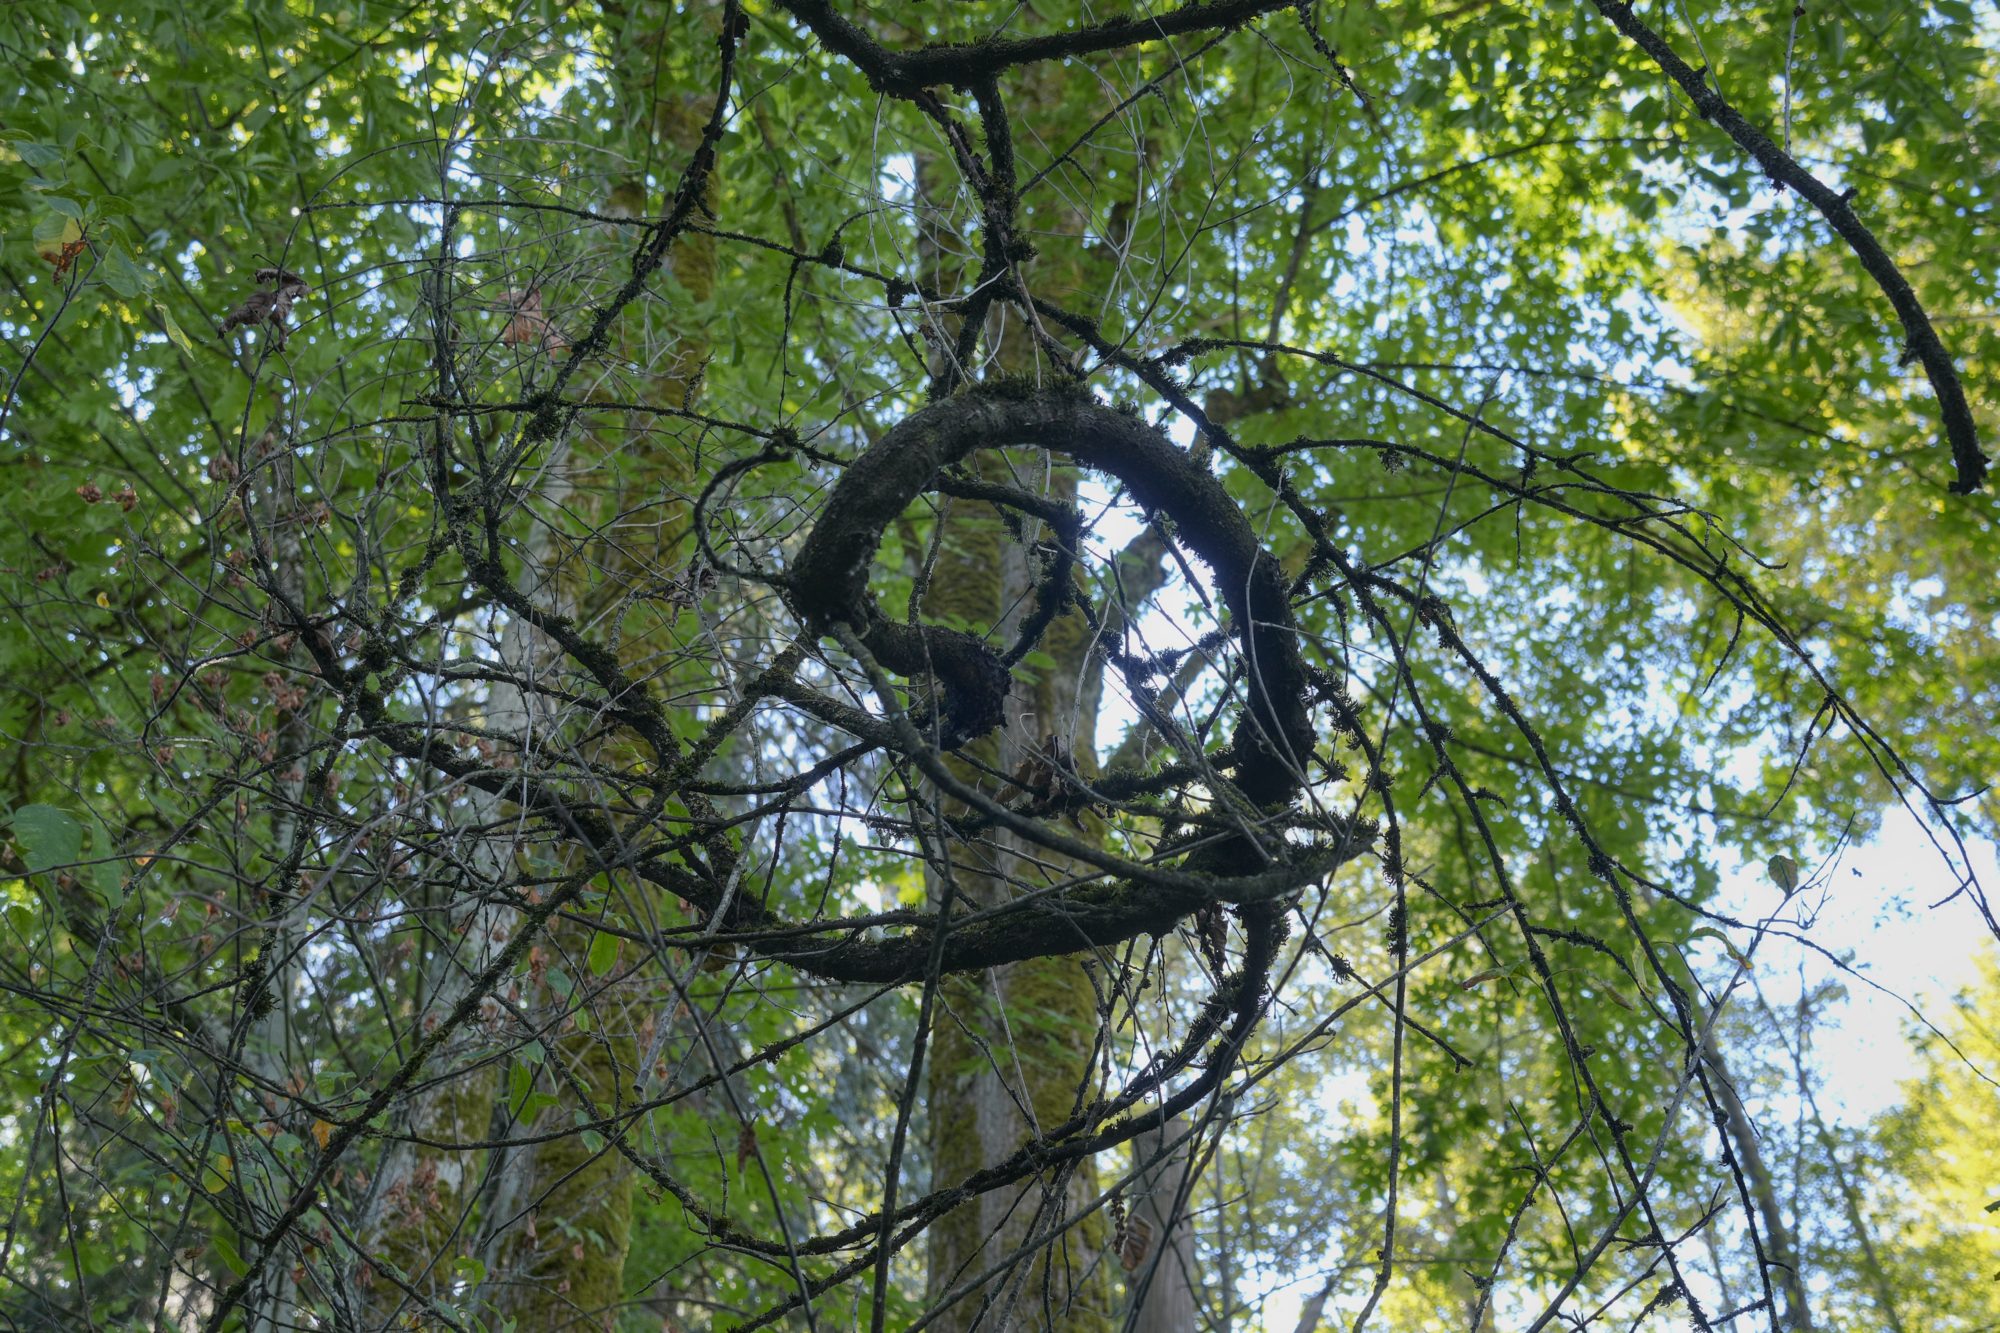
x=271, y=306
x=59, y=241
x=527, y=325
x=1212, y=932
x=1135, y=1244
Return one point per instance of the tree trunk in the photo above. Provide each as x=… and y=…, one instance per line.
x=1012, y=1047
x=564, y=1265
x=1780, y=1253
x=1850, y=1198
x=1163, y=1279
x=270, y=1040
x=556, y=1217
x=420, y=1198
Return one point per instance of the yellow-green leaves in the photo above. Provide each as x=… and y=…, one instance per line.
x=173, y=330
x=59, y=234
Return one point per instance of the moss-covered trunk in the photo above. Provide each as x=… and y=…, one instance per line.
x=1016, y=1048
x=564, y=1266
x=554, y=1219
x=1013, y=1046
x=417, y=1221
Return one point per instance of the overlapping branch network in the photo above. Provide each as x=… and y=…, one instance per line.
x=1244, y=840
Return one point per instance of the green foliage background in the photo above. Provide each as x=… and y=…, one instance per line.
x=1508, y=216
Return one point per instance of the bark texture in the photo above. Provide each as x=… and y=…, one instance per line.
x=1163, y=1278
x=1012, y=1048
x=1780, y=1253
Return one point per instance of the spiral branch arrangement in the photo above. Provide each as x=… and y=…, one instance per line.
x=581, y=785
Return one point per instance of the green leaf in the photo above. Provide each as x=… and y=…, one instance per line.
x=603, y=953
x=38, y=155
x=173, y=329
x=54, y=230
x=1637, y=958
x=125, y=277
x=48, y=837
x=108, y=874
x=226, y=1251
x=22, y=918
x=1727, y=947
x=1784, y=872
x=519, y=1084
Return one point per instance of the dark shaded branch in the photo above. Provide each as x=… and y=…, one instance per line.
x=1922, y=343
x=904, y=74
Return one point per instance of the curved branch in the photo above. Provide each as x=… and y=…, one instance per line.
x=905, y=74
x=1922, y=340
x=828, y=584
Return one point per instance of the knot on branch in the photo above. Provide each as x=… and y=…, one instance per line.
x=829, y=582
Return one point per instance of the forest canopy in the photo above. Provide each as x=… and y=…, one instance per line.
x=994, y=666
